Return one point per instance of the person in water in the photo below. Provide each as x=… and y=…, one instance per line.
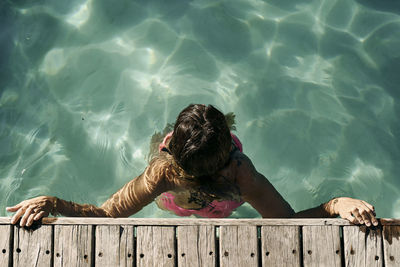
x=197, y=169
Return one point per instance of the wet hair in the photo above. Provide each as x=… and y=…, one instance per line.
x=201, y=140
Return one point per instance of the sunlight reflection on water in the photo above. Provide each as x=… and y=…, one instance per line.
x=313, y=85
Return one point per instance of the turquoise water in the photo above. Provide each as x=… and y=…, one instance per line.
x=314, y=85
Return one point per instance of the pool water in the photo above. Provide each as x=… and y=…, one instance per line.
x=314, y=85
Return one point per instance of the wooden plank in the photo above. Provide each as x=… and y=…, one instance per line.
x=362, y=246
x=192, y=221
x=238, y=246
x=32, y=247
x=195, y=221
x=127, y=245
x=114, y=245
x=5, y=244
x=72, y=245
x=321, y=246
x=155, y=246
x=391, y=247
x=280, y=246
x=196, y=246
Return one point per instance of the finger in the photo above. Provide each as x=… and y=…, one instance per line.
x=25, y=217
x=349, y=217
x=371, y=217
x=39, y=215
x=30, y=219
x=357, y=215
x=374, y=221
x=369, y=213
x=368, y=205
x=372, y=208
x=14, y=208
x=366, y=218
x=17, y=215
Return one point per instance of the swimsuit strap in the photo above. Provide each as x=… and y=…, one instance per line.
x=236, y=142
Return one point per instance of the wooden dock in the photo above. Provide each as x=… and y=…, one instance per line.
x=199, y=242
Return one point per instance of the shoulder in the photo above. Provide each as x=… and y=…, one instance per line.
x=160, y=171
x=246, y=175
x=243, y=165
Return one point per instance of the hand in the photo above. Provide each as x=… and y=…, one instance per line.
x=355, y=210
x=32, y=210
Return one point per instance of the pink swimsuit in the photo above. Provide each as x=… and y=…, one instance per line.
x=216, y=209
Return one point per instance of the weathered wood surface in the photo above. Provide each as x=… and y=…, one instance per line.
x=321, y=246
x=280, y=246
x=114, y=245
x=72, y=243
x=391, y=244
x=238, y=246
x=33, y=248
x=362, y=246
x=155, y=246
x=196, y=246
x=191, y=221
x=231, y=243
x=5, y=246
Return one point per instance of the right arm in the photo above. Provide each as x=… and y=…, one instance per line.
x=131, y=198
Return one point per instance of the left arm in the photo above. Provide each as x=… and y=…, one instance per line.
x=261, y=194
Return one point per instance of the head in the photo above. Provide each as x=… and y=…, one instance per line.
x=201, y=140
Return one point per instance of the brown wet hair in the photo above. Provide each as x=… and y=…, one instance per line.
x=201, y=140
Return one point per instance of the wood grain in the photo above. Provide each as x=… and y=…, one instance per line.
x=362, y=246
x=107, y=242
x=114, y=245
x=391, y=245
x=32, y=247
x=321, y=246
x=155, y=246
x=191, y=221
x=5, y=245
x=72, y=245
x=238, y=246
x=280, y=246
x=196, y=246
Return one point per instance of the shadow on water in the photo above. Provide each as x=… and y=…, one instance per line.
x=382, y=5
x=168, y=10
x=318, y=92
x=223, y=35
x=7, y=19
x=286, y=4
x=391, y=78
x=61, y=7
